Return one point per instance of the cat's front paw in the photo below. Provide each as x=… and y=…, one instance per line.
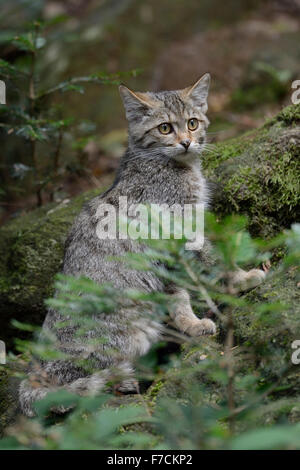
x=245, y=280
x=202, y=327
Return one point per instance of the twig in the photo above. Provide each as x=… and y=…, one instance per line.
x=32, y=99
x=230, y=369
x=56, y=160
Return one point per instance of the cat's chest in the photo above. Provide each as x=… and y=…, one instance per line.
x=187, y=186
x=195, y=191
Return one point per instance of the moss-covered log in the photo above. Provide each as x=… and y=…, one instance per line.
x=31, y=253
x=258, y=174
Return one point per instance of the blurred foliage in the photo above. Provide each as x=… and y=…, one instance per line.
x=264, y=84
x=213, y=395
x=34, y=118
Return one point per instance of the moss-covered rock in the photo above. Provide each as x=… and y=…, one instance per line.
x=271, y=322
x=31, y=253
x=258, y=174
x=265, y=329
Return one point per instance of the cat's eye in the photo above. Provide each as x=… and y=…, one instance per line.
x=193, y=124
x=165, y=128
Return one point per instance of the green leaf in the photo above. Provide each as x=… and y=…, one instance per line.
x=40, y=42
x=25, y=42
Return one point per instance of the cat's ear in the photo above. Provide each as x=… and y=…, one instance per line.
x=198, y=92
x=135, y=103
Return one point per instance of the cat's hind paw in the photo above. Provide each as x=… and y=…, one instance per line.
x=127, y=386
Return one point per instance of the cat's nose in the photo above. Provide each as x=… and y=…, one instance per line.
x=185, y=143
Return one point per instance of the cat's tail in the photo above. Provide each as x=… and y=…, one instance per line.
x=31, y=392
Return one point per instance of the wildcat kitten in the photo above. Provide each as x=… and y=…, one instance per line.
x=161, y=165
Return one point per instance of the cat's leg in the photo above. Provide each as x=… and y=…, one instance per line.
x=28, y=395
x=184, y=318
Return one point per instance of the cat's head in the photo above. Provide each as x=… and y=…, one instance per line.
x=173, y=122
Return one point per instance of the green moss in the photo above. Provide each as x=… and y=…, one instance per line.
x=225, y=152
x=272, y=319
x=262, y=83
